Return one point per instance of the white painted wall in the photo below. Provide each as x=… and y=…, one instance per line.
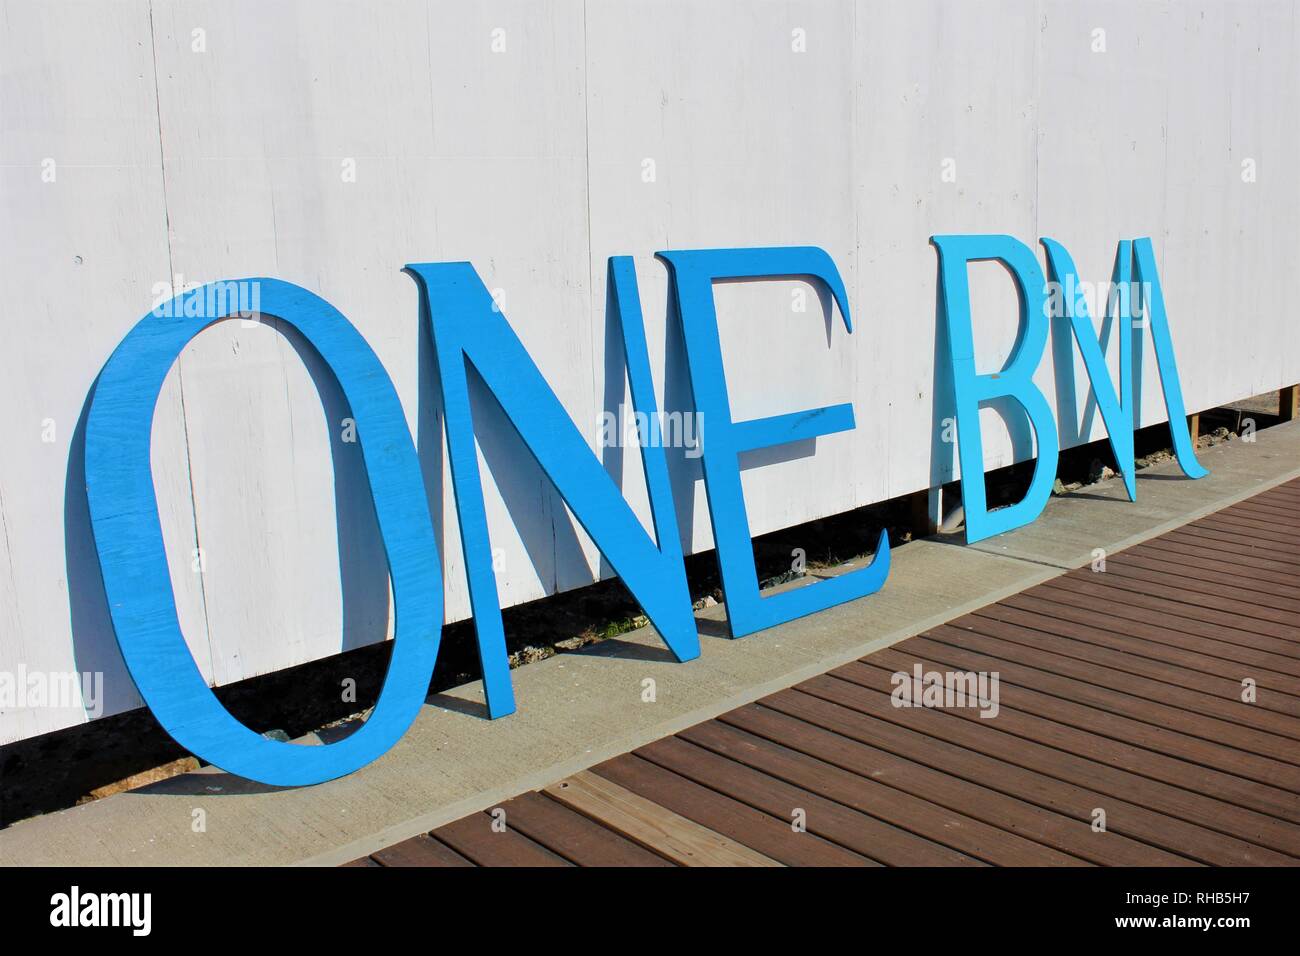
x=529, y=163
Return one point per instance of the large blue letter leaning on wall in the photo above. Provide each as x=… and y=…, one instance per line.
x=1134, y=262
x=694, y=272
x=1116, y=410
x=1015, y=380
x=128, y=537
x=1153, y=310
x=468, y=328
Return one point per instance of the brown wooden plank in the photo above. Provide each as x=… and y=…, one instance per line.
x=420, y=850
x=1253, y=526
x=1241, y=611
x=739, y=821
x=1037, y=746
x=1269, y=518
x=1287, y=491
x=1231, y=544
x=1256, y=501
x=1275, y=713
x=679, y=839
x=1279, y=522
x=1184, y=658
x=1259, y=534
x=1149, y=609
x=573, y=836
x=1211, y=560
x=1284, y=671
x=922, y=816
x=1120, y=690
x=1243, y=556
x=1080, y=705
x=1208, y=584
x=1282, y=508
x=1239, y=543
x=1224, y=787
x=1006, y=815
x=1234, y=528
x=1058, y=813
x=1247, y=722
x=473, y=838
x=832, y=821
x=1122, y=695
x=364, y=861
x=1260, y=528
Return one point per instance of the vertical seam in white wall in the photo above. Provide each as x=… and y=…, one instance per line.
x=180, y=372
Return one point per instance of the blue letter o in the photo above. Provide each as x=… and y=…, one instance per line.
x=128, y=536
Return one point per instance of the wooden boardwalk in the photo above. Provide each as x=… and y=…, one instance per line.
x=1120, y=693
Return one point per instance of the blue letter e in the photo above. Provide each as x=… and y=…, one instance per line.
x=693, y=275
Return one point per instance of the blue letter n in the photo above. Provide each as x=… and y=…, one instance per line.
x=469, y=329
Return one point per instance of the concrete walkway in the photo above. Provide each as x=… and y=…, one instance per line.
x=576, y=710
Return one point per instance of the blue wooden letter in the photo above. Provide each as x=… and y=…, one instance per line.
x=1134, y=262
x=468, y=329
x=1116, y=410
x=693, y=274
x=128, y=536
x=1153, y=310
x=1015, y=380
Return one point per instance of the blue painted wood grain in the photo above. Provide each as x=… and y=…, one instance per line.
x=128, y=536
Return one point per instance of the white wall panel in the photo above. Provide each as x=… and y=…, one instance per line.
x=217, y=140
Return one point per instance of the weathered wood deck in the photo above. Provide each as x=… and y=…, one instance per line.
x=1120, y=692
